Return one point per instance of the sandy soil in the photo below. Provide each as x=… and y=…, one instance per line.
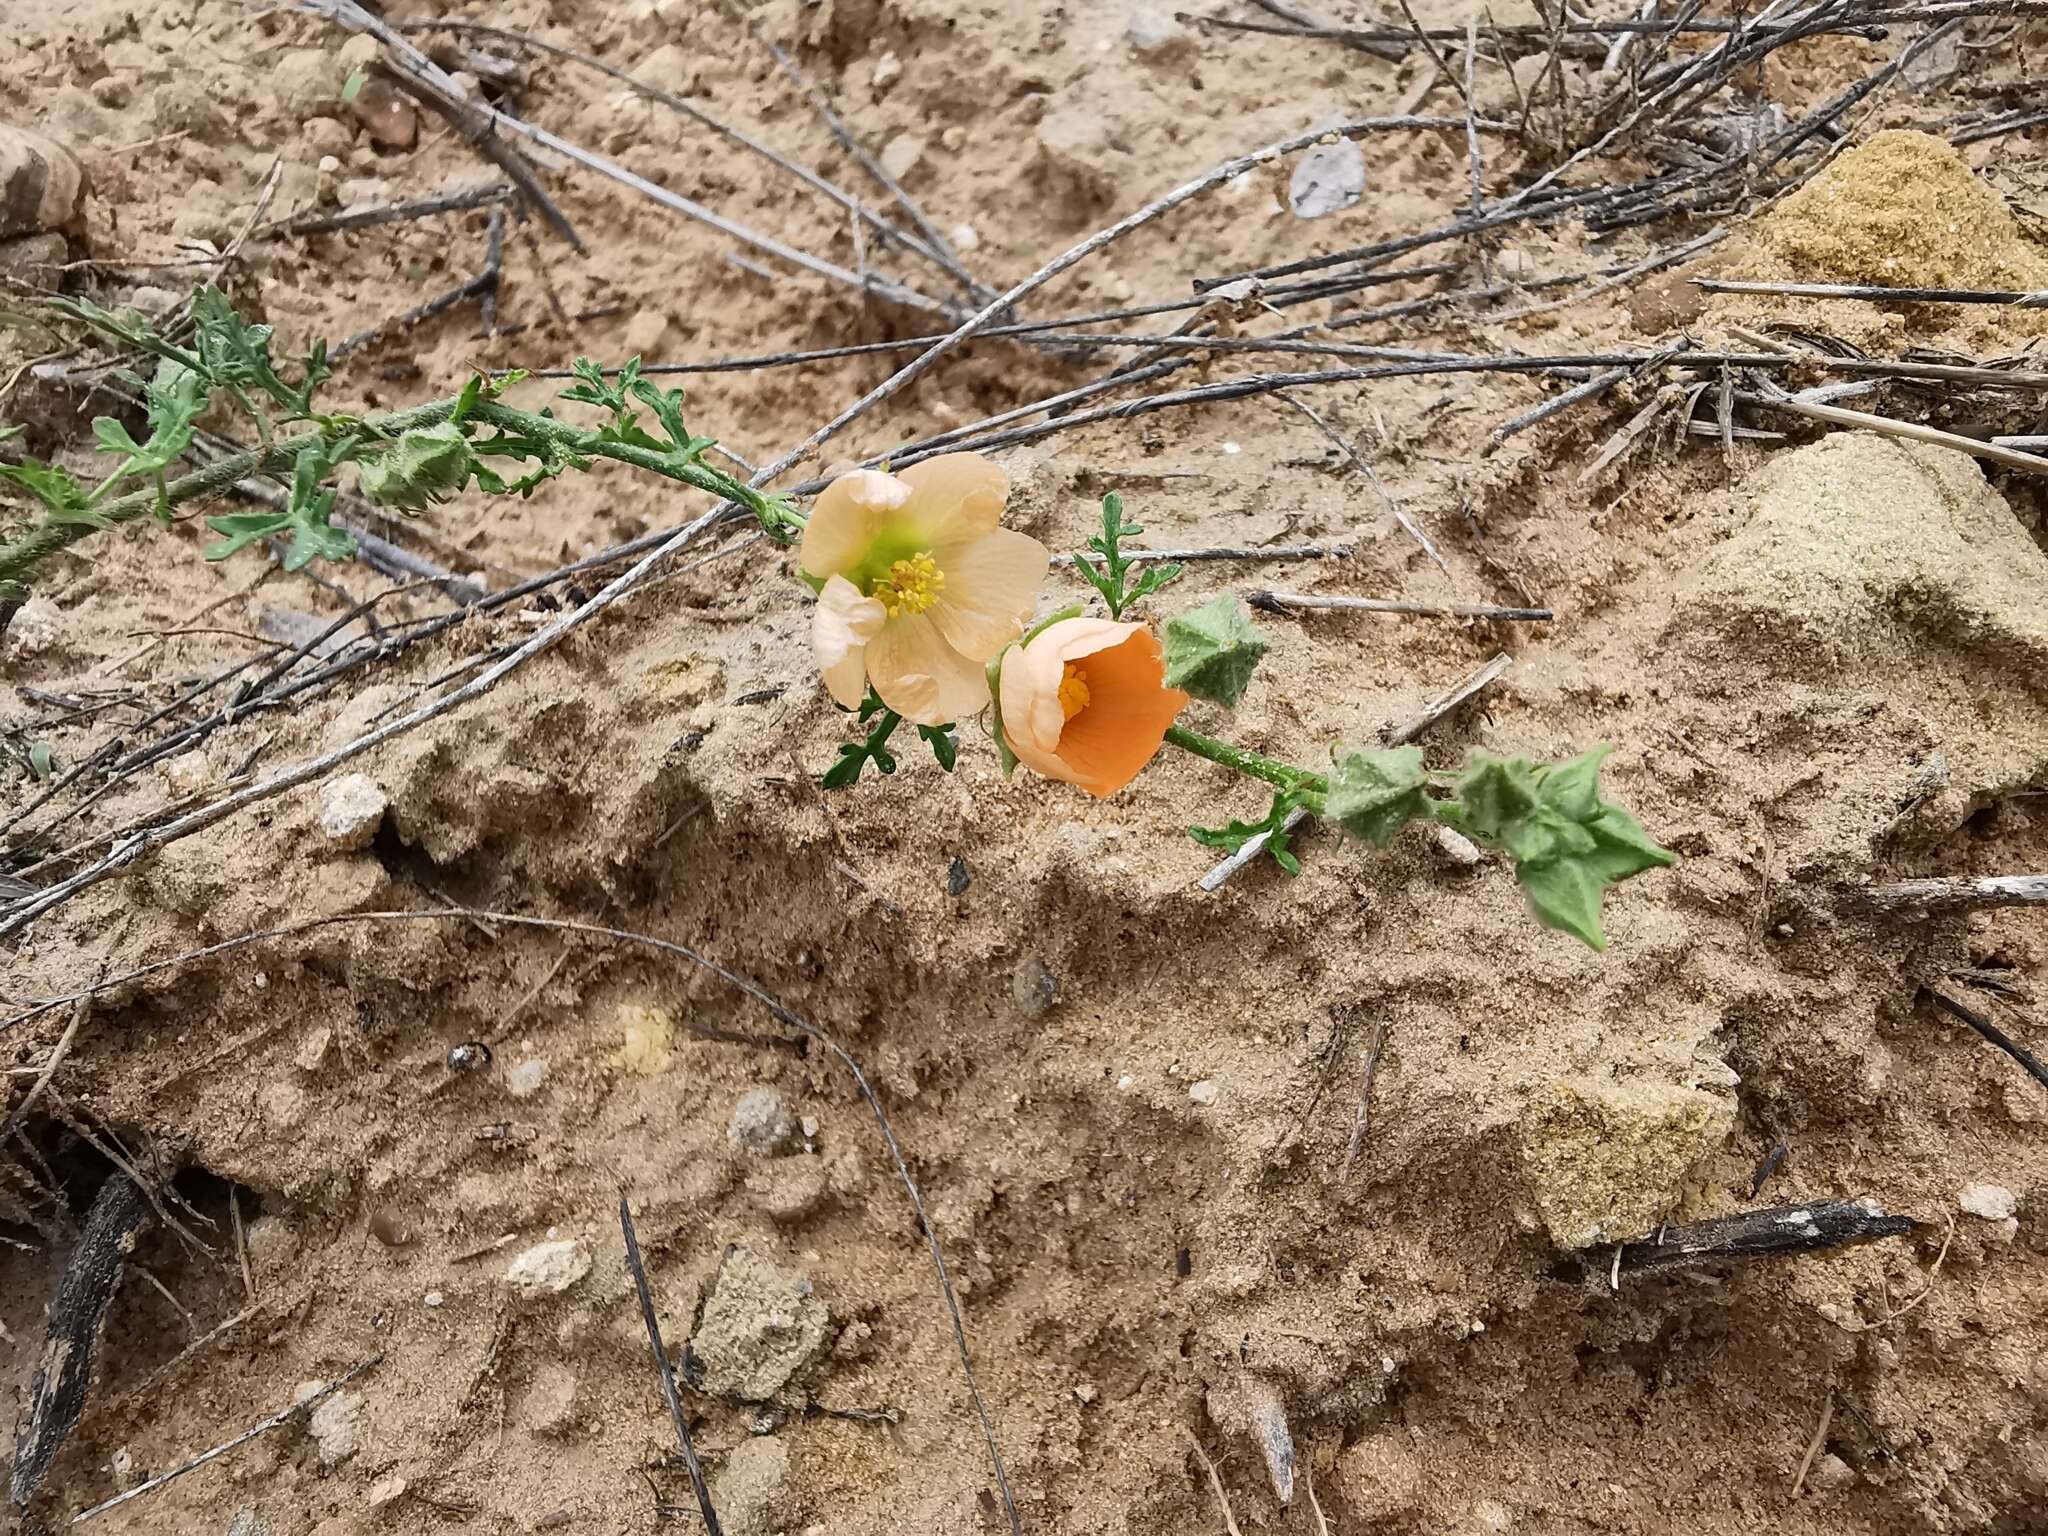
x=1126, y=1102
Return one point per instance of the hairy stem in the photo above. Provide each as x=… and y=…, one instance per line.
x=1251, y=764
x=20, y=557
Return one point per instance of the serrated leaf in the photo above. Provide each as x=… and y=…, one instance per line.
x=1213, y=651
x=113, y=437
x=1272, y=826
x=64, y=499
x=1373, y=795
x=1569, y=845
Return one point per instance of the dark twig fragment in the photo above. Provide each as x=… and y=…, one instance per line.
x=1778, y=1231
x=1990, y=1031
x=664, y=1369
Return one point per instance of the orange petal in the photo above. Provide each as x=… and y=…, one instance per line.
x=991, y=587
x=954, y=498
x=845, y=520
x=842, y=623
x=921, y=677
x=1129, y=709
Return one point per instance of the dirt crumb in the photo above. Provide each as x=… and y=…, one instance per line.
x=761, y=1326
x=1611, y=1160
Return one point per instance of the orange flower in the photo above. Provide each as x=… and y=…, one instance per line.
x=1086, y=701
x=918, y=589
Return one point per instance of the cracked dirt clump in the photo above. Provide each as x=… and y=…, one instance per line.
x=1609, y=1161
x=762, y=1325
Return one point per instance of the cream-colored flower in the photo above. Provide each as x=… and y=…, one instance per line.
x=1086, y=701
x=918, y=588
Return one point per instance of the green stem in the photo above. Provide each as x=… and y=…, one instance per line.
x=20, y=558
x=1251, y=764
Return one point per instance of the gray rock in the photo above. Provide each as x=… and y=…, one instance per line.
x=761, y=1124
x=336, y=1425
x=1153, y=32
x=547, y=1269
x=524, y=1080
x=352, y=808
x=901, y=155
x=1033, y=988
x=752, y=1491
x=761, y=1326
x=247, y=1522
x=1989, y=1202
x=1328, y=179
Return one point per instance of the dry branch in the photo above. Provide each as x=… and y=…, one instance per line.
x=1958, y=893
x=1779, y=1231
x=1299, y=602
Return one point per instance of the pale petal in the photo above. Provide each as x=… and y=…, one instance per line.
x=921, y=677
x=991, y=587
x=953, y=498
x=1024, y=691
x=846, y=518
x=842, y=623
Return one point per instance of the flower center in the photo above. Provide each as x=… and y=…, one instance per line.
x=1073, y=690
x=911, y=586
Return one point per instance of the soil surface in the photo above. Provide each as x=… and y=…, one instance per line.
x=1128, y=1104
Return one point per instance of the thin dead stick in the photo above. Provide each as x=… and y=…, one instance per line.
x=1473, y=158
x=1594, y=387
x=1841, y=416
x=1779, y=1231
x=242, y=1244
x=2017, y=298
x=2033, y=1064
x=457, y=200
x=1215, y=1484
x=1225, y=552
x=1360, y=463
x=665, y=1370
x=1933, y=1274
x=19, y=1115
x=1820, y=1435
x=1299, y=602
x=1361, y=1118
x=1959, y=893
x=733, y=979
x=284, y=1415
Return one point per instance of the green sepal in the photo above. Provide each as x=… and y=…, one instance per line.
x=1213, y=651
x=424, y=466
x=1373, y=795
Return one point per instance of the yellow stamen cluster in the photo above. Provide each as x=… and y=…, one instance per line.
x=911, y=586
x=1073, y=690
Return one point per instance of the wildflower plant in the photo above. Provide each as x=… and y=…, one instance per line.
x=924, y=600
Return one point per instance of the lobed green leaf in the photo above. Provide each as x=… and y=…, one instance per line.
x=1213, y=651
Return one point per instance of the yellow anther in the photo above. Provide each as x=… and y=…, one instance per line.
x=1073, y=690
x=911, y=586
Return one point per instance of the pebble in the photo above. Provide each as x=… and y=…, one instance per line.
x=386, y=113
x=752, y=1491
x=1456, y=847
x=789, y=1189
x=312, y=1050
x=901, y=155
x=524, y=1080
x=327, y=136
x=964, y=238
x=1033, y=988
x=1326, y=180
x=547, y=1269
x=352, y=808
x=1203, y=1093
x=188, y=771
x=761, y=1325
x=1153, y=32
x=336, y=1424
x=112, y=92
x=359, y=52
x=954, y=139
x=247, y=1522
x=1992, y=1202
x=1831, y=1474
x=433, y=1299
x=958, y=875
x=888, y=70
x=33, y=629
x=386, y=1491
x=761, y=1124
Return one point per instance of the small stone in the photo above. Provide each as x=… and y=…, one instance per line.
x=122, y=1465
x=761, y=1325
x=112, y=92
x=901, y=155
x=524, y=1080
x=548, y=1404
x=751, y=1492
x=386, y=113
x=1328, y=179
x=1831, y=1474
x=433, y=1299
x=1991, y=1202
x=953, y=140
x=188, y=772
x=282, y=1105
x=385, y=1491
x=392, y=1227
x=247, y=1522
x=888, y=70
x=1456, y=847
x=790, y=1189
x=761, y=1124
x=1153, y=32
x=1203, y=1093
x=312, y=1050
x=547, y=1269
x=336, y=1424
x=33, y=628
x=1033, y=988
x=1085, y=1393
x=1608, y=1160
x=2005, y=1231
x=329, y=165
x=958, y=876
x=644, y=333
x=352, y=808
x=359, y=52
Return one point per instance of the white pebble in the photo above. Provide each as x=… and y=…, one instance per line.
x=351, y=810
x=547, y=1269
x=523, y=1081
x=1992, y=1202
x=433, y=1298
x=1203, y=1093
x=964, y=238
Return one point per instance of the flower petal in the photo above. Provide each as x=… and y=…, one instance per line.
x=921, y=677
x=1029, y=689
x=842, y=623
x=1129, y=709
x=953, y=498
x=991, y=587
x=846, y=519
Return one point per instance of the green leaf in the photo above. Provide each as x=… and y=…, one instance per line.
x=944, y=742
x=1155, y=577
x=1569, y=845
x=305, y=518
x=1272, y=826
x=64, y=499
x=42, y=759
x=1374, y=794
x=1213, y=651
x=853, y=756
